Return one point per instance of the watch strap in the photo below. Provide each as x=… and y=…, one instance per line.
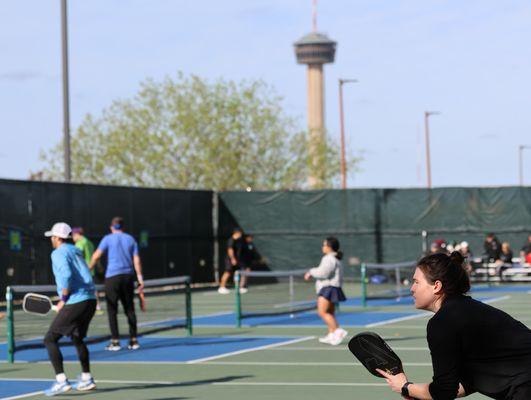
x=405, y=390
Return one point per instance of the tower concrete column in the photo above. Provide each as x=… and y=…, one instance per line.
x=314, y=50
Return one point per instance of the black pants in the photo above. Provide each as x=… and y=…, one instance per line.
x=73, y=321
x=522, y=392
x=121, y=288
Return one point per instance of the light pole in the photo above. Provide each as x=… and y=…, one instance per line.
x=521, y=149
x=66, y=107
x=342, y=124
x=427, y=115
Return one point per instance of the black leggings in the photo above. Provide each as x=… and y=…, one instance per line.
x=522, y=392
x=121, y=288
x=56, y=357
x=73, y=321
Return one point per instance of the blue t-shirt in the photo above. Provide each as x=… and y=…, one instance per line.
x=71, y=272
x=120, y=248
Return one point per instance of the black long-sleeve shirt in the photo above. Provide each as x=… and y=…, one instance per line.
x=479, y=346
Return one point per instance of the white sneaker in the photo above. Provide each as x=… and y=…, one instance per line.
x=85, y=385
x=223, y=290
x=243, y=290
x=58, y=388
x=327, y=339
x=338, y=336
x=113, y=347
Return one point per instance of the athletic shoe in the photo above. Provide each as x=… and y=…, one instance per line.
x=223, y=290
x=133, y=345
x=58, y=388
x=85, y=385
x=338, y=336
x=327, y=339
x=113, y=347
x=243, y=290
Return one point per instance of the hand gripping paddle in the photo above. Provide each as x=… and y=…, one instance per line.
x=39, y=304
x=372, y=351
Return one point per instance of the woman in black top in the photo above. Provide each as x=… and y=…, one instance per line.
x=474, y=347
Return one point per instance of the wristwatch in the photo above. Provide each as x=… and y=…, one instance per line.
x=405, y=390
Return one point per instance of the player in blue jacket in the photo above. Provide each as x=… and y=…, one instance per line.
x=75, y=309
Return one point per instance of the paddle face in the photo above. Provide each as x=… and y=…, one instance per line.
x=34, y=303
x=372, y=351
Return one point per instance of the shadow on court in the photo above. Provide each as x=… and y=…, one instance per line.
x=174, y=385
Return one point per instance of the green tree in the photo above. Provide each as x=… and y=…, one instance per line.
x=185, y=132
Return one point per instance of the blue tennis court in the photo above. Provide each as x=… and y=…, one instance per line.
x=160, y=349
x=13, y=388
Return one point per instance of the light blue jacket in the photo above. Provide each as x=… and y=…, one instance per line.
x=71, y=272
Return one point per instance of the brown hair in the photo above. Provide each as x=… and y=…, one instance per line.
x=449, y=270
x=333, y=243
x=117, y=221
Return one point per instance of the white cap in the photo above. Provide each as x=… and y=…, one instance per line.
x=464, y=244
x=59, y=229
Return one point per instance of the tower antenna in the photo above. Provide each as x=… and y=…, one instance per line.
x=314, y=15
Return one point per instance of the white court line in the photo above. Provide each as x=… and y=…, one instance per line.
x=302, y=364
x=97, y=381
x=341, y=349
x=392, y=321
x=297, y=384
x=200, y=360
x=22, y=396
x=496, y=299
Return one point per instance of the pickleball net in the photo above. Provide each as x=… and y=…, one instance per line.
x=273, y=293
x=386, y=281
x=168, y=306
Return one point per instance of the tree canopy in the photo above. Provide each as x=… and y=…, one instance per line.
x=186, y=132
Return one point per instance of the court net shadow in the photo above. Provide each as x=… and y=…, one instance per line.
x=174, y=385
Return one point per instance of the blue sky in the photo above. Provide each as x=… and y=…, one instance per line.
x=470, y=60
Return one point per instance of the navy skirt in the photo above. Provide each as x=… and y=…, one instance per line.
x=332, y=293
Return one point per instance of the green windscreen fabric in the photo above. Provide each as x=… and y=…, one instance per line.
x=374, y=225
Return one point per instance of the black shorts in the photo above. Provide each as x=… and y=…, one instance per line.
x=230, y=268
x=74, y=319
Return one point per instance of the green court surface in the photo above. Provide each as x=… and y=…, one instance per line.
x=298, y=370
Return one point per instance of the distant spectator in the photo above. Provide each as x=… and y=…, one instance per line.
x=506, y=259
x=506, y=255
x=438, y=246
x=492, y=248
x=465, y=251
x=525, y=253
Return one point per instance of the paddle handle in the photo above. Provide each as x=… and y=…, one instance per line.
x=54, y=308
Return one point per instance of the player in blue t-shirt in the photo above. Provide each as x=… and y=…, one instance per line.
x=75, y=309
x=123, y=262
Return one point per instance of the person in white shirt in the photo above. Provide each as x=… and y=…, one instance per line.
x=328, y=280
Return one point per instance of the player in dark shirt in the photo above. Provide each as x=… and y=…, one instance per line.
x=235, y=247
x=492, y=248
x=249, y=259
x=474, y=347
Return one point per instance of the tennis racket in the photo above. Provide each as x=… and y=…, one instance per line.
x=373, y=352
x=34, y=303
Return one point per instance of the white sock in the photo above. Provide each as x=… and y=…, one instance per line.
x=60, y=378
x=85, y=376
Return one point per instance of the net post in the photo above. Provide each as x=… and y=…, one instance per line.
x=10, y=326
x=188, y=296
x=238, y=302
x=398, y=283
x=363, y=285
